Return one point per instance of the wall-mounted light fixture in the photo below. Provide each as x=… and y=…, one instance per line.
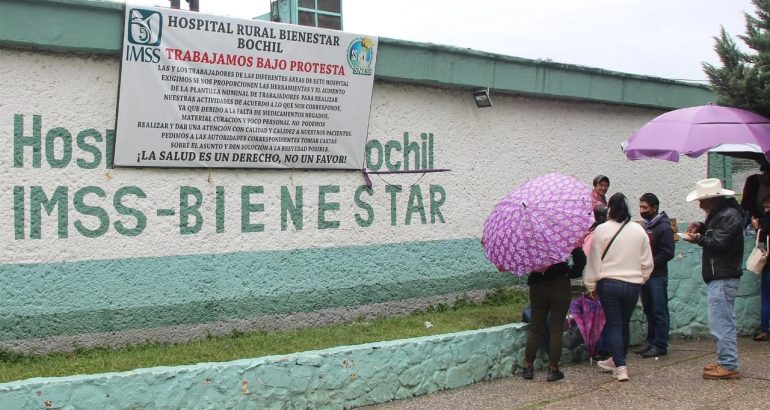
x=482, y=98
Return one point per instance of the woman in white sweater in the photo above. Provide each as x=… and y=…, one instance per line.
x=619, y=262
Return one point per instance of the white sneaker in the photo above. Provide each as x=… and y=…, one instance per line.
x=621, y=374
x=608, y=365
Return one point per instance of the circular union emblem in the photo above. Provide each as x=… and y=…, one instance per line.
x=360, y=53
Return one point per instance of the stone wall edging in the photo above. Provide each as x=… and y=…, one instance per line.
x=340, y=377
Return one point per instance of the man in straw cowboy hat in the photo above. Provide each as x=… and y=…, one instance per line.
x=722, y=242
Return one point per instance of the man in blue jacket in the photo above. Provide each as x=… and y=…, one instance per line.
x=654, y=292
x=721, y=237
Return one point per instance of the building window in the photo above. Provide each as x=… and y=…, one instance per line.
x=320, y=13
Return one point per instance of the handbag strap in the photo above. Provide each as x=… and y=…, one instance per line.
x=756, y=245
x=613, y=238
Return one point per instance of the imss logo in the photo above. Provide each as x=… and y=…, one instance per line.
x=145, y=29
x=361, y=55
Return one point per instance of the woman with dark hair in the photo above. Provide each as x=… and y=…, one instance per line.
x=619, y=262
x=600, y=216
x=755, y=188
x=599, y=193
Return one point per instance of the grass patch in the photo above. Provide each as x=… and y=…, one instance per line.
x=501, y=306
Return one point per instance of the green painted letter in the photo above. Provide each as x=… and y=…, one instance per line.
x=185, y=210
x=365, y=206
x=110, y=142
x=435, y=203
x=38, y=200
x=141, y=220
x=371, y=146
x=78, y=200
x=324, y=206
x=50, y=139
x=247, y=208
x=393, y=190
x=18, y=212
x=20, y=141
x=92, y=149
x=220, y=211
x=415, y=205
x=293, y=208
x=391, y=146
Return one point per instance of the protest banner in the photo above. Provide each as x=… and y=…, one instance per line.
x=206, y=91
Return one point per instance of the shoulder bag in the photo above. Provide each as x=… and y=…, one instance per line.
x=757, y=258
x=613, y=238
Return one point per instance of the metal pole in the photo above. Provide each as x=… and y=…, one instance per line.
x=174, y=4
x=193, y=5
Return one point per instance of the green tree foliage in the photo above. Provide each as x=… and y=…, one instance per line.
x=743, y=80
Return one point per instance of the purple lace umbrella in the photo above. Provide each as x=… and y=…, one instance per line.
x=589, y=318
x=538, y=224
x=695, y=130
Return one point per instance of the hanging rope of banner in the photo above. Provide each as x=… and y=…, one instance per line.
x=365, y=173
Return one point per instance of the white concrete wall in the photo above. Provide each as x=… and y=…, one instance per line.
x=489, y=152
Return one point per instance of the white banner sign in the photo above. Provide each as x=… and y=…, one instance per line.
x=206, y=91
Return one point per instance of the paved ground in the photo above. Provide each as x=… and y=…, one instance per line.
x=672, y=382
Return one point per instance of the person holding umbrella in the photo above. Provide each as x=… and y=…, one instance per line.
x=549, y=293
x=533, y=231
x=619, y=262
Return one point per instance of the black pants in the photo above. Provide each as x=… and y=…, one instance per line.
x=548, y=297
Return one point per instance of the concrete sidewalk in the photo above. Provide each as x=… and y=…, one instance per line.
x=673, y=382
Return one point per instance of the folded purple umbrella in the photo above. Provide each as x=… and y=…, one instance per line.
x=589, y=318
x=695, y=130
x=538, y=224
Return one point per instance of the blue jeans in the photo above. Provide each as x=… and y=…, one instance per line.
x=618, y=300
x=603, y=346
x=764, y=291
x=721, y=300
x=655, y=305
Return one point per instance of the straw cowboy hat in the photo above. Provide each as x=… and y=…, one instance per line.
x=708, y=188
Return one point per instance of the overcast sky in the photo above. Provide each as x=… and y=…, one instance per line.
x=664, y=38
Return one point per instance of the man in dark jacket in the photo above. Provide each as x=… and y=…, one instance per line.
x=721, y=238
x=654, y=292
